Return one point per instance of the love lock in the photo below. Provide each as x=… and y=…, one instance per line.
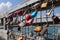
x=21, y=24
x=20, y=38
x=33, y=14
x=48, y=13
x=43, y=5
x=28, y=16
x=18, y=12
x=55, y=19
x=38, y=28
x=29, y=21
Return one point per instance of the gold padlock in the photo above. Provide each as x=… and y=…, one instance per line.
x=38, y=29
x=43, y=5
x=20, y=38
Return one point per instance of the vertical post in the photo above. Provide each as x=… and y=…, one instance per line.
x=4, y=27
x=47, y=22
x=53, y=21
x=4, y=21
x=41, y=16
x=54, y=27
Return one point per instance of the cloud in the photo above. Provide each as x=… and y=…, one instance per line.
x=8, y=4
x=5, y=6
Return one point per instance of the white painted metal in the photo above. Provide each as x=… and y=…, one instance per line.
x=19, y=6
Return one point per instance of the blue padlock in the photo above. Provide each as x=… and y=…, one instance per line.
x=33, y=14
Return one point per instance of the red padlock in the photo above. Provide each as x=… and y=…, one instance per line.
x=28, y=16
x=18, y=11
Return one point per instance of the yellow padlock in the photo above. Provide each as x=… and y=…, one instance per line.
x=38, y=29
x=43, y=5
x=20, y=38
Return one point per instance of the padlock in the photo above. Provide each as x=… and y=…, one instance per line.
x=30, y=21
x=20, y=38
x=44, y=5
x=18, y=12
x=21, y=24
x=55, y=19
x=38, y=29
x=48, y=13
x=13, y=14
x=33, y=14
x=28, y=16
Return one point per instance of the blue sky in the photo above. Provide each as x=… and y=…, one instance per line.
x=56, y=11
x=6, y=4
x=14, y=2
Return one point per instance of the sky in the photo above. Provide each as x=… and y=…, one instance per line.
x=6, y=4
x=56, y=11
